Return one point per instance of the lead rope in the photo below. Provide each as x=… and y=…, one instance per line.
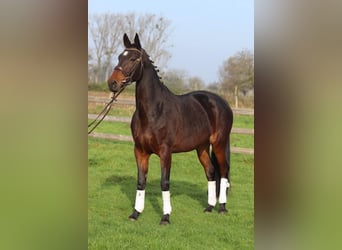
x=106, y=110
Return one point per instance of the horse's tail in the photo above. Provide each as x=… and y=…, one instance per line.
x=217, y=168
x=228, y=159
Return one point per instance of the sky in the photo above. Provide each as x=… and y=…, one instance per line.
x=204, y=33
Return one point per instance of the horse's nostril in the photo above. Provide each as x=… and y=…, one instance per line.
x=110, y=82
x=113, y=85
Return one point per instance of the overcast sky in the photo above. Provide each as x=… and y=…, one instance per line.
x=204, y=33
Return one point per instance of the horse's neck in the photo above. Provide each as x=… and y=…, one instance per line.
x=149, y=91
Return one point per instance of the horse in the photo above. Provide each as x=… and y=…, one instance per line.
x=164, y=123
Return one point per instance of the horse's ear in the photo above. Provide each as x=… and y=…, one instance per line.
x=137, y=41
x=126, y=41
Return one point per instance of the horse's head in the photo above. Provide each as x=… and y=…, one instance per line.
x=130, y=65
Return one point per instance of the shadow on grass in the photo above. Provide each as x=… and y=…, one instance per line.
x=127, y=186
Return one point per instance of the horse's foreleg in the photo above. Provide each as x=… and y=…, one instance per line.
x=165, y=163
x=142, y=164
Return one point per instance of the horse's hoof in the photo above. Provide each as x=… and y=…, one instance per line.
x=165, y=220
x=222, y=209
x=209, y=209
x=134, y=216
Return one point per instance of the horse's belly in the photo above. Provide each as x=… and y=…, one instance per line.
x=191, y=141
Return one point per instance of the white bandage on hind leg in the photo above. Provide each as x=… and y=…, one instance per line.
x=223, y=188
x=212, y=193
x=166, y=202
x=140, y=201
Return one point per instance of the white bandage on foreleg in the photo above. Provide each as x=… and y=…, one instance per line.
x=212, y=193
x=140, y=201
x=166, y=202
x=223, y=188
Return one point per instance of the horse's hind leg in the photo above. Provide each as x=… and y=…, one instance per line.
x=222, y=154
x=209, y=169
x=142, y=164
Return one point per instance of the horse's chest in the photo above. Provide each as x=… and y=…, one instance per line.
x=148, y=136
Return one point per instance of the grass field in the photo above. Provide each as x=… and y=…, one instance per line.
x=111, y=194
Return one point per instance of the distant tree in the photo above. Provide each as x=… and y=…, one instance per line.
x=105, y=31
x=154, y=32
x=174, y=80
x=213, y=87
x=237, y=73
x=195, y=83
x=90, y=66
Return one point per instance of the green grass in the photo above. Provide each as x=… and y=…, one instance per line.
x=242, y=141
x=117, y=110
x=111, y=194
x=243, y=121
x=117, y=128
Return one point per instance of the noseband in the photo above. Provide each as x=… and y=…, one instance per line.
x=129, y=74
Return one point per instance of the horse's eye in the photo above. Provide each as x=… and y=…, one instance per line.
x=132, y=59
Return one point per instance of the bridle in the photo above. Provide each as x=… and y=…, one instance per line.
x=130, y=74
x=128, y=80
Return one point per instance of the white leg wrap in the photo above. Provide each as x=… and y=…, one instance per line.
x=212, y=193
x=140, y=200
x=166, y=202
x=223, y=188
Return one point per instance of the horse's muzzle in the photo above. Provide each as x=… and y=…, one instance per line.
x=117, y=80
x=113, y=86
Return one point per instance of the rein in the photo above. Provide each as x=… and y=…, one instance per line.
x=105, y=111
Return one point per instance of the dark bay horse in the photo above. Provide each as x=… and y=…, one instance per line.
x=164, y=123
